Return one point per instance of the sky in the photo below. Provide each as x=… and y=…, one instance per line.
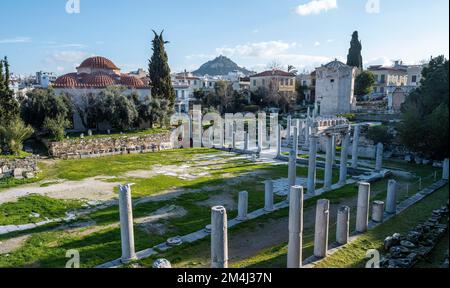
x=56, y=36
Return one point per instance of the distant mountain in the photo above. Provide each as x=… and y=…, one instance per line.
x=220, y=66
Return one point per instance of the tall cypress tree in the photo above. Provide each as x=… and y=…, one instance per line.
x=159, y=71
x=354, y=57
x=9, y=107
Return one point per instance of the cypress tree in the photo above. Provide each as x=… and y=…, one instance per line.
x=9, y=107
x=159, y=71
x=354, y=57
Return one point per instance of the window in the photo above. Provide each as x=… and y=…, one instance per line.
x=291, y=82
x=263, y=82
x=414, y=79
x=189, y=82
x=286, y=82
x=332, y=80
x=383, y=78
x=254, y=82
x=210, y=84
x=304, y=83
x=195, y=82
x=382, y=90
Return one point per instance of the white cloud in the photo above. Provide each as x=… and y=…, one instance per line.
x=15, y=40
x=60, y=69
x=260, y=49
x=317, y=43
x=385, y=61
x=316, y=7
x=255, y=31
x=68, y=56
x=330, y=40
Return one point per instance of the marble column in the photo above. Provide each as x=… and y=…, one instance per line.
x=321, y=228
x=312, y=165
x=362, y=210
x=233, y=140
x=295, y=141
x=344, y=159
x=333, y=150
x=246, y=141
x=278, y=140
x=328, y=177
x=219, y=237
x=343, y=225
x=391, y=199
x=295, y=244
x=445, y=169
x=292, y=170
x=378, y=211
x=268, y=196
x=355, y=147
x=379, y=157
x=126, y=224
x=242, y=206
x=289, y=123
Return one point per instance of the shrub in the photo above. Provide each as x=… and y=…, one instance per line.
x=13, y=135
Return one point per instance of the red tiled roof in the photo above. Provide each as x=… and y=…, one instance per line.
x=131, y=81
x=99, y=80
x=98, y=62
x=274, y=73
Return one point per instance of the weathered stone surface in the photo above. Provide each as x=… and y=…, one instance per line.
x=407, y=244
x=82, y=148
x=18, y=168
x=161, y=263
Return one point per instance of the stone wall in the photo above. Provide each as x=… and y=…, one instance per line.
x=97, y=147
x=18, y=168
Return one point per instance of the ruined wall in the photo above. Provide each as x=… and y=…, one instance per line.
x=97, y=147
x=18, y=168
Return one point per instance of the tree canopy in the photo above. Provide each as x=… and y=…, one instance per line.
x=425, y=117
x=364, y=83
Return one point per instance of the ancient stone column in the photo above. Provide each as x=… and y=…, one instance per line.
x=343, y=225
x=289, y=120
x=242, y=206
x=362, y=211
x=379, y=157
x=355, y=147
x=344, y=159
x=312, y=164
x=246, y=141
x=321, y=228
x=233, y=140
x=294, y=257
x=333, y=150
x=378, y=211
x=295, y=141
x=126, y=224
x=268, y=196
x=391, y=199
x=219, y=237
x=328, y=177
x=292, y=169
x=445, y=169
x=278, y=140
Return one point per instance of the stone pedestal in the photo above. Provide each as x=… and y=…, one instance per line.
x=445, y=171
x=391, y=199
x=355, y=147
x=219, y=237
x=242, y=206
x=321, y=228
x=343, y=225
x=268, y=196
x=344, y=159
x=378, y=211
x=126, y=224
x=362, y=211
x=379, y=157
x=312, y=164
x=328, y=178
x=294, y=257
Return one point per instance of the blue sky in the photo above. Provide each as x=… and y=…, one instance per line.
x=41, y=35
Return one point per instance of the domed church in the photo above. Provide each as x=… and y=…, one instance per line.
x=93, y=76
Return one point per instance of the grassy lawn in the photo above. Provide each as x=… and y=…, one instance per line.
x=104, y=134
x=17, y=213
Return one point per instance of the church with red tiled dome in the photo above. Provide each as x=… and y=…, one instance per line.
x=93, y=76
x=99, y=72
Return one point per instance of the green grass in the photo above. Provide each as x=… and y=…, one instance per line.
x=22, y=154
x=104, y=134
x=19, y=212
x=12, y=182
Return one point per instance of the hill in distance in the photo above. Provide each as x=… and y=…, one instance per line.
x=220, y=66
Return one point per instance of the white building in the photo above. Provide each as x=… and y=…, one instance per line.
x=44, y=79
x=335, y=83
